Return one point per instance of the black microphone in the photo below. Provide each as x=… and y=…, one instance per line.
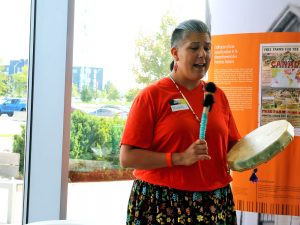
x=210, y=89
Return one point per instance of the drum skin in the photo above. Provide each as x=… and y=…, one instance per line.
x=260, y=145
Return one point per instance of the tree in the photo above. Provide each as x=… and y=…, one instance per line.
x=131, y=93
x=153, y=53
x=111, y=91
x=15, y=84
x=3, y=84
x=19, y=147
x=75, y=92
x=86, y=94
x=101, y=94
x=20, y=82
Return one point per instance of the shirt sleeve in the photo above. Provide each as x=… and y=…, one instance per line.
x=139, y=126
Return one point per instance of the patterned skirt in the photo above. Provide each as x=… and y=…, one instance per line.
x=152, y=205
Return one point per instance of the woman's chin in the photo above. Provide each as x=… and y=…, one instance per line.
x=199, y=74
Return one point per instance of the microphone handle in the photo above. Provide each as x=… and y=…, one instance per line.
x=203, y=123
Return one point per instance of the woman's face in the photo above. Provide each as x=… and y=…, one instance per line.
x=193, y=56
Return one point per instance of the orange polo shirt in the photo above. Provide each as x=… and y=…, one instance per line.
x=159, y=120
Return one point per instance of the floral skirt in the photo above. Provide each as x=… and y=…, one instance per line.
x=152, y=205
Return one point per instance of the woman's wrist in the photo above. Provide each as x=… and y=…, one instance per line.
x=176, y=159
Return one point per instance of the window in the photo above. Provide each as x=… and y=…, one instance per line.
x=14, y=45
x=107, y=72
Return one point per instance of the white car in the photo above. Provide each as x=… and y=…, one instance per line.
x=109, y=112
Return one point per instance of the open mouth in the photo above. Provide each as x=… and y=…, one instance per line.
x=200, y=65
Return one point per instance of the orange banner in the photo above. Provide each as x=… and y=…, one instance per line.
x=235, y=67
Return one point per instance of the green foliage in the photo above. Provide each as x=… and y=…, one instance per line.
x=95, y=138
x=3, y=84
x=20, y=83
x=131, y=93
x=75, y=92
x=86, y=94
x=19, y=147
x=92, y=138
x=15, y=84
x=153, y=53
x=111, y=91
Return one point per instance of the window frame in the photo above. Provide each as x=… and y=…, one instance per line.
x=48, y=114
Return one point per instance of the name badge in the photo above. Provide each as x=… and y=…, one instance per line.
x=178, y=104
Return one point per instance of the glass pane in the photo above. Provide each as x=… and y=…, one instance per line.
x=14, y=54
x=108, y=72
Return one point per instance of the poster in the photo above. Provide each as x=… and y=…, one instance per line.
x=280, y=83
x=245, y=74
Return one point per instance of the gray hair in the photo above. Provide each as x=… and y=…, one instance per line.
x=186, y=27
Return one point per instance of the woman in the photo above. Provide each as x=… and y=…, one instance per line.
x=180, y=179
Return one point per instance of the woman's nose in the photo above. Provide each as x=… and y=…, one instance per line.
x=201, y=53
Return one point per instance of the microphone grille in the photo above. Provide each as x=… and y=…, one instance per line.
x=210, y=87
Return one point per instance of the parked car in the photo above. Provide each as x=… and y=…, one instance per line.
x=120, y=107
x=10, y=105
x=109, y=112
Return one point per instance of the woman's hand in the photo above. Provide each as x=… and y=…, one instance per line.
x=131, y=157
x=196, y=151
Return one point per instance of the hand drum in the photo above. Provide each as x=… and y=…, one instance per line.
x=260, y=145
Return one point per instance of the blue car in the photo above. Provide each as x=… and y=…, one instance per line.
x=10, y=105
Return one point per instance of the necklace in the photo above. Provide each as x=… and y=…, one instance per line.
x=183, y=96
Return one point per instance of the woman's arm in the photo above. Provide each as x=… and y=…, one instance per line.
x=131, y=157
x=137, y=158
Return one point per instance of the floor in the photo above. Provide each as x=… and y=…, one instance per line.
x=97, y=202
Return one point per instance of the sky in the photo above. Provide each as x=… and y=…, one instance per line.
x=14, y=23
x=104, y=31
x=105, y=34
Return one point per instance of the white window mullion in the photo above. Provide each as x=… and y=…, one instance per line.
x=49, y=105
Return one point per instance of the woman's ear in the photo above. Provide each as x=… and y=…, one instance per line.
x=174, y=52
